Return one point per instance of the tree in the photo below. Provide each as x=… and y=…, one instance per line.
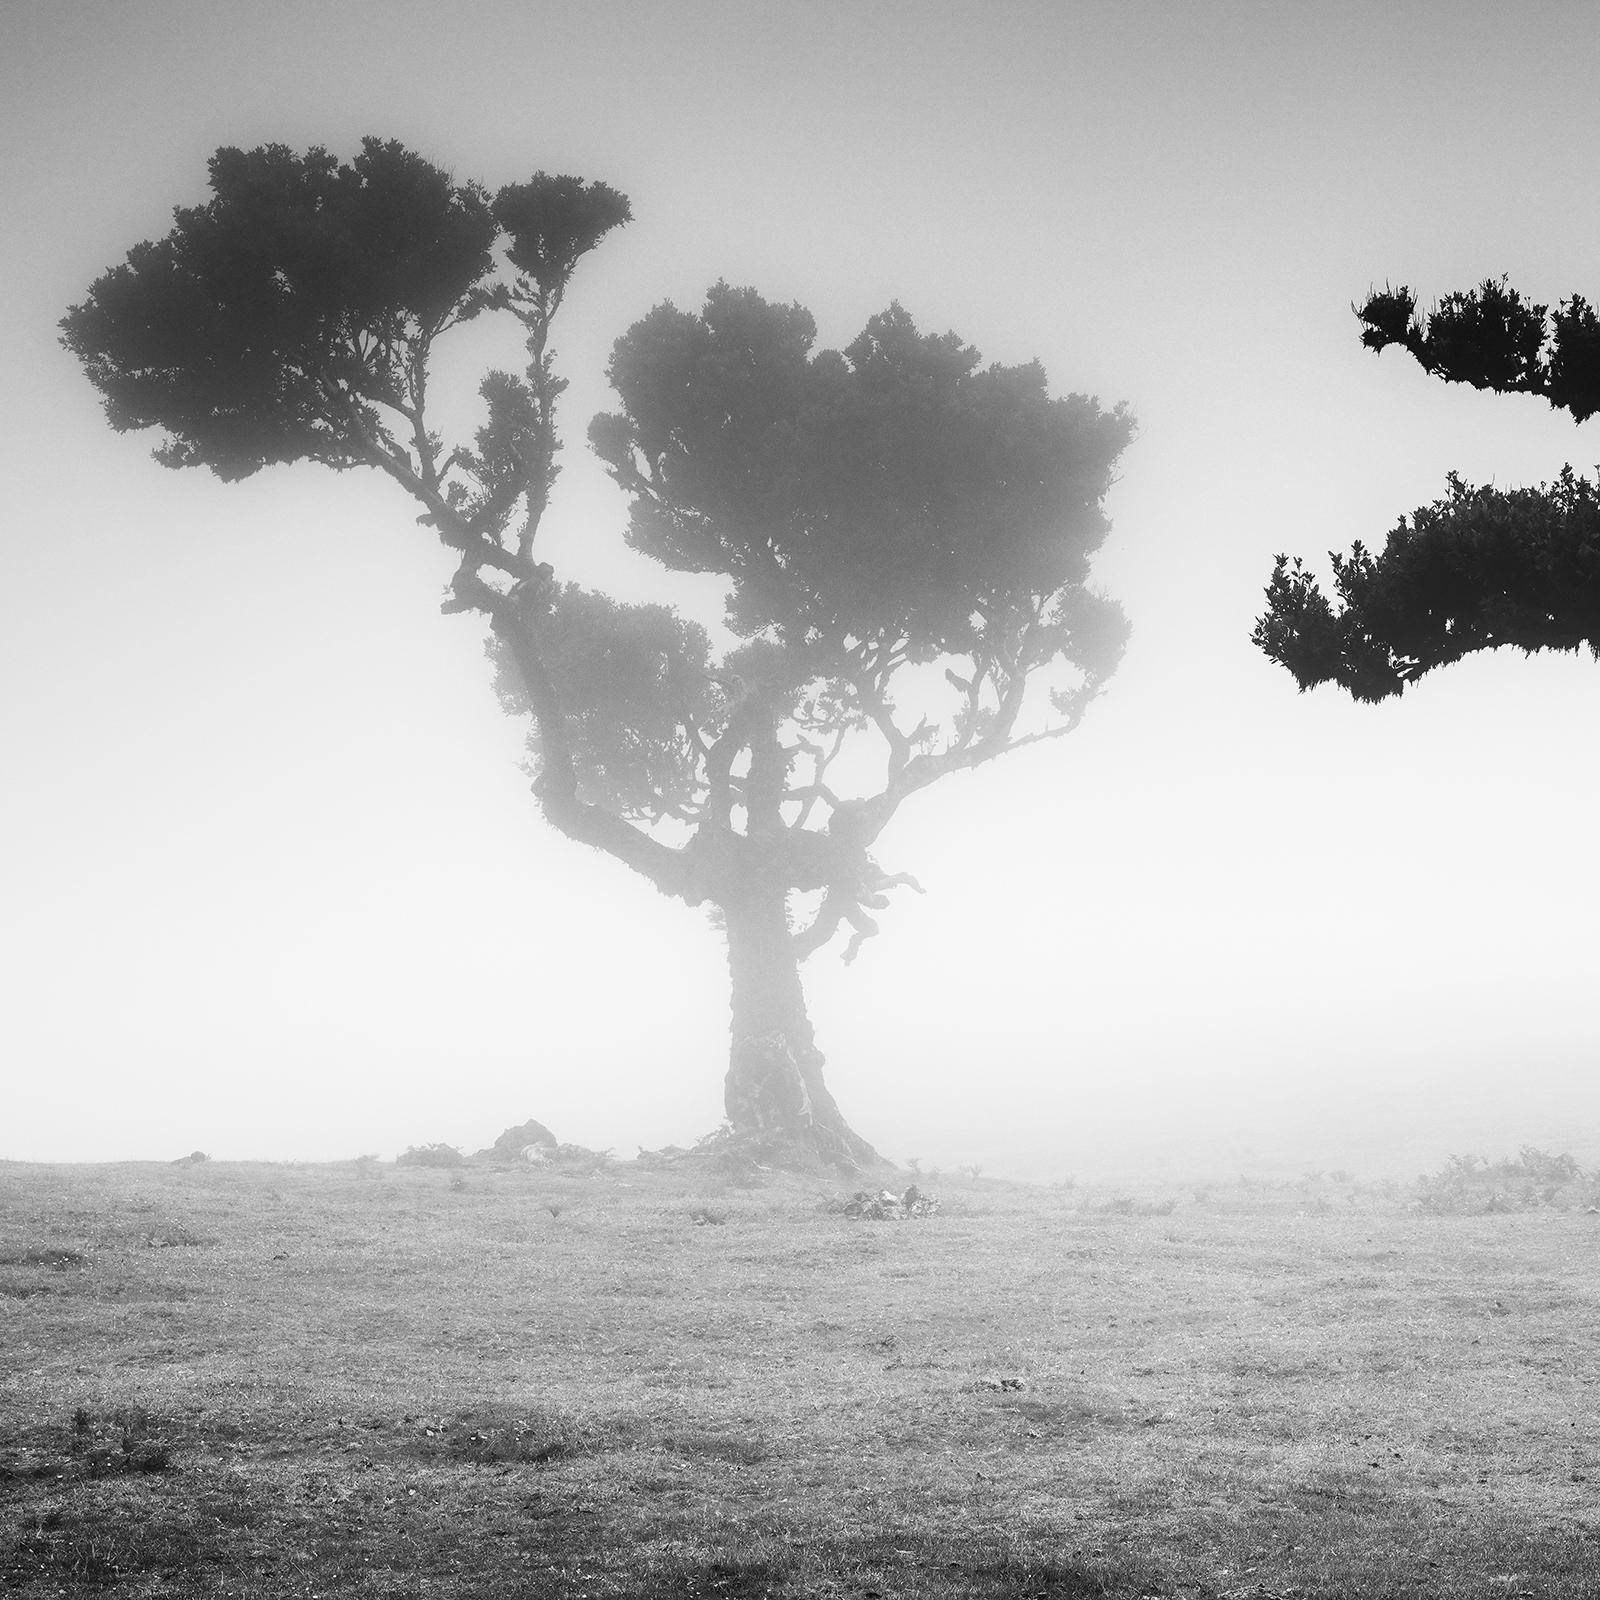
x=894, y=523
x=1480, y=567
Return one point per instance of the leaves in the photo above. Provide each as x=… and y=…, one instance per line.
x=883, y=489
x=635, y=686
x=1492, y=338
x=874, y=510
x=552, y=222
x=515, y=451
x=1482, y=567
x=270, y=323
x=1479, y=568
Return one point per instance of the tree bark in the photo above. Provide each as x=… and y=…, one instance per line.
x=774, y=1091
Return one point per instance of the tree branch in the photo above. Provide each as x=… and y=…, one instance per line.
x=556, y=787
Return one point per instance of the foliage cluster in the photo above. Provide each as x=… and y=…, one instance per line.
x=292, y=317
x=1471, y=1183
x=1492, y=337
x=430, y=1155
x=1481, y=567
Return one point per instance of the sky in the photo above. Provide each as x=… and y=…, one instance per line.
x=273, y=885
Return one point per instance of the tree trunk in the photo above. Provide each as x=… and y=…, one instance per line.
x=774, y=1090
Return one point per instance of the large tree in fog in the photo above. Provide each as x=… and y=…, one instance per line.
x=903, y=535
x=1480, y=567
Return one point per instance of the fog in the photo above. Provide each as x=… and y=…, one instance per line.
x=274, y=886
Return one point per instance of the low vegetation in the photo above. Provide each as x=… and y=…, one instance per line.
x=1533, y=1179
x=662, y=1379
x=429, y=1155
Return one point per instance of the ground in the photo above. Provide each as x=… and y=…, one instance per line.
x=369, y=1380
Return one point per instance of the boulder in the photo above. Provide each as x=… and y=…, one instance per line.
x=515, y=1142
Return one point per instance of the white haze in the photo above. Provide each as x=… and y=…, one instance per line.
x=273, y=883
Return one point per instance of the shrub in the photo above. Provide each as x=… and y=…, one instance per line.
x=430, y=1155
x=578, y=1160
x=175, y=1237
x=127, y=1441
x=1467, y=1184
x=1124, y=1205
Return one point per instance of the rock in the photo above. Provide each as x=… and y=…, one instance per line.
x=515, y=1141
x=887, y=1206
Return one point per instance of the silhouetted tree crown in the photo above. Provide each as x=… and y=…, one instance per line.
x=293, y=316
x=897, y=486
x=1492, y=338
x=1480, y=567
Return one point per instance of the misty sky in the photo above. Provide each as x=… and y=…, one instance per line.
x=272, y=881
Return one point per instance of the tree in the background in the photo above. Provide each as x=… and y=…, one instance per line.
x=1481, y=567
x=904, y=537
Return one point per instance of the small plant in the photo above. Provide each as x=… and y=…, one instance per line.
x=458, y=1184
x=55, y=1257
x=430, y=1155
x=175, y=1237
x=126, y=1442
x=501, y=1440
x=1124, y=1205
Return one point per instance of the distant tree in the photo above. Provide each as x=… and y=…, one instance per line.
x=1481, y=567
x=895, y=525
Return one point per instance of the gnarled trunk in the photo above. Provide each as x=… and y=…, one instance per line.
x=774, y=1090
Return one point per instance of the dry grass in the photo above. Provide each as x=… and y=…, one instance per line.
x=275, y=1381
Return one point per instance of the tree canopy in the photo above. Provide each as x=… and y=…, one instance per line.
x=873, y=511
x=1480, y=567
x=904, y=533
x=1492, y=338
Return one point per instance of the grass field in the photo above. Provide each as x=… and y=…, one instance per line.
x=368, y=1380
